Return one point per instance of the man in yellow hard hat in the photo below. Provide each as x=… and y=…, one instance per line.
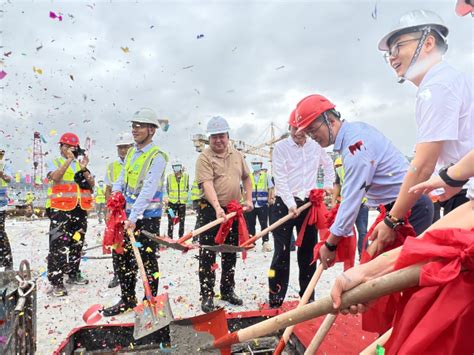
x=177, y=187
x=6, y=259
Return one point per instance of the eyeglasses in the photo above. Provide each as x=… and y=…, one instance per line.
x=312, y=132
x=394, y=50
x=139, y=125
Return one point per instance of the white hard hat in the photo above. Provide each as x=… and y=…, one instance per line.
x=414, y=21
x=257, y=160
x=217, y=125
x=176, y=162
x=125, y=138
x=146, y=115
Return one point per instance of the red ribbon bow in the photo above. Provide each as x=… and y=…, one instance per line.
x=316, y=214
x=224, y=229
x=114, y=231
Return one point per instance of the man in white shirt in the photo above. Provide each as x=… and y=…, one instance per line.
x=295, y=166
x=444, y=106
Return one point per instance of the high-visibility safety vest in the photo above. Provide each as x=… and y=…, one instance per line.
x=134, y=177
x=340, y=172
x=178, y=191
x=113, y=171
x=66, y=194
x=260, y=188
x=99, y=195
x=3, y=193
x=29, y=198
x=196, y=192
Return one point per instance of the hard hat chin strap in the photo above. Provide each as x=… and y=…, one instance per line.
x=425, y=32
x=326, y=121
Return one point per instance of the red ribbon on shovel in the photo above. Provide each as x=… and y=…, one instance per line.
x=316, y=214
x=114, y=232
x=224, y=229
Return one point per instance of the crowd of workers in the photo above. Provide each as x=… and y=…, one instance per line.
x=370, y=172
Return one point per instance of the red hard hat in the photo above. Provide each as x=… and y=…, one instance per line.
x=310, y=108
x=70, y=139
x=292, y=120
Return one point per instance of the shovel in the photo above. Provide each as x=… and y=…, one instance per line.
x=155, y=312
x=304, y=299
x=225, y=248
x=320, y=334
x=366, y=292
x=380, y=341
x=179, y=244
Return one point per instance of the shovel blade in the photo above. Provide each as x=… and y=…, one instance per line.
x=224, y=248
x=197, y=334
x=168, y=242
x=151, y=318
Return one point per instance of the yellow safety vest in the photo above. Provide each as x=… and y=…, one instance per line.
x=341, y=173
x=113, y=171
x=100, y=195
x=134, y=177
x=178, y=191
x=260, y=188
x=3, y=193
x=66, y=194
x=196, y=192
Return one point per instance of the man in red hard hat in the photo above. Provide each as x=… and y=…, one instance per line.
x=69, y=199
x=373, y=166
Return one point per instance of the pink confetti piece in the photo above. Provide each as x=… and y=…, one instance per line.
x=3, y=74
x=53, y=16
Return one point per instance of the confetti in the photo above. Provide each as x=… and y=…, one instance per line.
x=148, y=250
x=271, y=273
x=200, y=36
x=214, y=267
x=125, y=49
x=138, y=244
x=52, y=15
x=156, y=275
x=77, y=236
x=53, y=132
x=38, y=70
x=3, y=74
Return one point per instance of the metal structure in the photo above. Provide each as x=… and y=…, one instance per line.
x=37, y=160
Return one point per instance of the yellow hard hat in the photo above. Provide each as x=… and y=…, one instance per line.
x=338, y=161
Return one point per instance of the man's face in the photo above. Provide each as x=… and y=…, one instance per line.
x=219, y=142
x=319, y=132
x=122, y=150
x=65, y=147
x=402, y=50
x=298, y=137
x=142, y=131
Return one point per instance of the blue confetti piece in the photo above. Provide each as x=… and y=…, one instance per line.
x=137, y=244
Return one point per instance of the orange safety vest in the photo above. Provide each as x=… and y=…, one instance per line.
x=66, y=194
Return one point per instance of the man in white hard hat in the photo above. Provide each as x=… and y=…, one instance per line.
x=219, y=171
x=124, y=143
x=443, y=112
x=177, y=187
x=262, y=188
x=141, y=182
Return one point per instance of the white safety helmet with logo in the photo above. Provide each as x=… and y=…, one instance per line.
x=177, y=166
x=147, y=115
x=125, y=138
x=423, y=21
x=217, y=125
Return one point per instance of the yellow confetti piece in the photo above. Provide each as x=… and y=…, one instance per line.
x=125, y=49
x=271, y=273
x=77, y=236
x=156, y=275
x=38, y=70
x=218, y=296
x=53, y=132
x=148, y=250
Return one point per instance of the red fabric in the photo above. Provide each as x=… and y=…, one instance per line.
x=379, y=316
x=114, y=232
x=224, y=229
x=346, y=248
x=316, y=215
x=437, y=318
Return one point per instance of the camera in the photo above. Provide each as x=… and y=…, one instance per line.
x=78, y=152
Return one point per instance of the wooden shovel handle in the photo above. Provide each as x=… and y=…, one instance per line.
x=304, y=300
x=393, y=282
x=370, y=350
x=274, y=225
x=141, y=268
x=204, y=228
x=320, y=334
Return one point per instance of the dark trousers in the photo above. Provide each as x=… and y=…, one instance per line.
x=6, y=258
x=455, y=201
x=207, y=258
x=251, y=218
x=67, y=231
x=280, y=266
x=361, y=223
x=100, y=211
x=126, y=264
x=437, y=211
x=179, y=210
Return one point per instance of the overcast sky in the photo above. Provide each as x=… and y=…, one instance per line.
x=250, y=62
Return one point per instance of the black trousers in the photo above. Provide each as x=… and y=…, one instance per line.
x=6, y=258
x=455, y=201
x=207, y=258
x=126, y=265
x=179, y=210
x=67, y=231
x=280, y=266
x=251, y=217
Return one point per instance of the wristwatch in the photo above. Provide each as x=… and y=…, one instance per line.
x=443, y=174
x=392, y=222
x=331, y=247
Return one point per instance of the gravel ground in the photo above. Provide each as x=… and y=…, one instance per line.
x=178, y=276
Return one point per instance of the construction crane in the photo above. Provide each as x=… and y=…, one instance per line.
x=37, y=160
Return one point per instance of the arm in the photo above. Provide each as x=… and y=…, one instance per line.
x=57, y=175
x=247, y=183
x=6, y=175
x=118, y=184
x=211, y=196
x=83, y=164
x=205, y=177
x=108, y=191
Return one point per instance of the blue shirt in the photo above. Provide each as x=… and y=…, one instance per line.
x=152, y=180
x=374, y=168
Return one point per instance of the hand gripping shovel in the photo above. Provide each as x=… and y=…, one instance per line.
x=366, y=292
x=225, y=248
x=304, y=300
x=179, y=244
x=155, y=312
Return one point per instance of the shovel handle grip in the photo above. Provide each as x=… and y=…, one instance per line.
x=320, y=334
x=379, y=341
x=138, y=257
x=274, y=225
x=204, y=228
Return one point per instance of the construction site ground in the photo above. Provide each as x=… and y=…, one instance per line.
x=178, y=276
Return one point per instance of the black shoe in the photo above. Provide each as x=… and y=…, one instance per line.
x=207, y=305
x=77, y=280
x=114, y=282
x=59, y=291
x=119, y=308
x=232, y=298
